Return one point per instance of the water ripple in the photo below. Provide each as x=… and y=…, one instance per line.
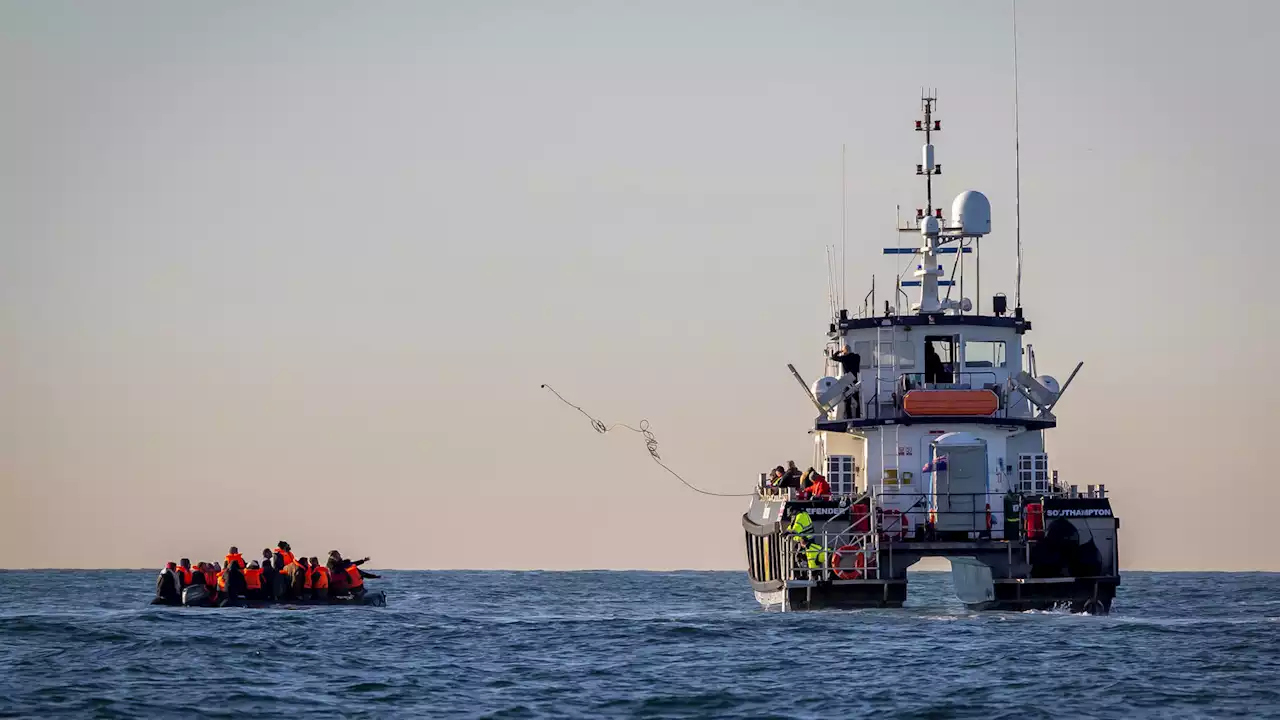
x=631, y=644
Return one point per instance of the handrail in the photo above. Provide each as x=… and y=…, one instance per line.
x=916, y=381
x=794, y=560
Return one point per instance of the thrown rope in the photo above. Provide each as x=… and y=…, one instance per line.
x=650, y=444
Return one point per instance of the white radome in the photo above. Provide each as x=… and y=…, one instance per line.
x=971, y=213
x=929, y=225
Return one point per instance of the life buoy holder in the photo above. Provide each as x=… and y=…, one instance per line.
x=859, y=562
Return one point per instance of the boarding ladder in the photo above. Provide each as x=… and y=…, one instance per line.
x=886, y=359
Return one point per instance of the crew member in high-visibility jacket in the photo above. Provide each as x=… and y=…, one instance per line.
x=802, y=534
x=815, y=555
x=802, y=526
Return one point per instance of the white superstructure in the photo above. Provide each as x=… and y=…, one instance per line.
x=930, y=432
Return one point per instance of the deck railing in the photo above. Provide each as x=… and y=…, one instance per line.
x=864, y=526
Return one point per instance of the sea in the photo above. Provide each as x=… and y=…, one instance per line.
x=634, y=644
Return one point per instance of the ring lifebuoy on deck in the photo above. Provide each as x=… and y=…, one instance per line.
x=859, y=562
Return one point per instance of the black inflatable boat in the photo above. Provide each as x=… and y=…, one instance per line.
x=198, y=596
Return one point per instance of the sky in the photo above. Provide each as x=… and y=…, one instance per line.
x=297, y=270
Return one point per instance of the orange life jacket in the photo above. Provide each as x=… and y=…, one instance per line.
x=253, y=578
x=210, y=578
x=306, y=576
x=234, y=558
x=354, y=573
x=186, y=575
x=222, y=580
x=321, y=580
x=288, y=557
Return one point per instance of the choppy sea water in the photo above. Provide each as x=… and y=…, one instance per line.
x=635, y=644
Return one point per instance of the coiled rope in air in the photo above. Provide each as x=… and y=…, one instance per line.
x=650, y=444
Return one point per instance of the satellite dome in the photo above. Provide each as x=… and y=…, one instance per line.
x=929, y=225
x=971, y=211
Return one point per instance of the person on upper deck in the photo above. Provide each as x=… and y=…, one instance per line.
x=850, y=364
x=816, y=487
x=791, y=476
x=934, y=370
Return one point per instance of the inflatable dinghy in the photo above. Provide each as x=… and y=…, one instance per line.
x=198, y=596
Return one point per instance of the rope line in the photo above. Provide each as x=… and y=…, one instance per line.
x=650, y=444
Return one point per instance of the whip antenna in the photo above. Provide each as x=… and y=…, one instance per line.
x=1017, y=166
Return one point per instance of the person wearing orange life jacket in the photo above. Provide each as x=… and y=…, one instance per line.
x=231, y=583
x=303, y=577
x=351, y=568
x=184, y=571
x=234, y=556
x=207, y=575
x=319, y=580
x=285, y=554
x=293, y=584
x=282, y=561
x=204, y=574
x=253, y=581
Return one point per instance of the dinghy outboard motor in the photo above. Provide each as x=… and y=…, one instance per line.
x=195, y=596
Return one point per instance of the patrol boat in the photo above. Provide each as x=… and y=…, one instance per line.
x=934, y=446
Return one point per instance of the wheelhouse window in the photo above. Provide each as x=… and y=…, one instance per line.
x=939, y=359
x=863, y=348
x=1033, y=473
x=840, y=474
x=984, y=354
x=906, y=354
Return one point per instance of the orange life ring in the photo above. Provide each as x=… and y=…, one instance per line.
x=859, y=562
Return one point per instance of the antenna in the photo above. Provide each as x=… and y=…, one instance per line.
x=844, y=234
x=1017, y=166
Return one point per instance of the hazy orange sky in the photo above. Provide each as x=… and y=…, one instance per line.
x=297, y=270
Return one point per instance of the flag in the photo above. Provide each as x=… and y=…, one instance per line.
x=938, y=463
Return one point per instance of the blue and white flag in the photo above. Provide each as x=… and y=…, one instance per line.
x=938, y=463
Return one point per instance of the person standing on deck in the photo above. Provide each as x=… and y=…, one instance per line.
x=850, y=364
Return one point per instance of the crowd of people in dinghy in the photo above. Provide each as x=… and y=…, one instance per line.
x=280, y=577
